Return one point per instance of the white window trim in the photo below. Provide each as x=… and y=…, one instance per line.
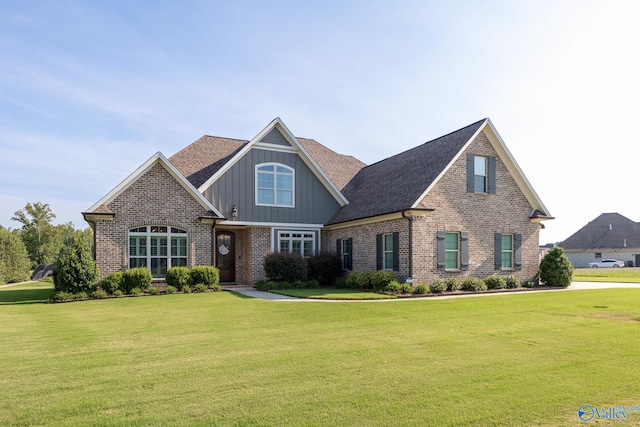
x=148, y=235
x=275, y=195
x=485, y=176
x=302, y=239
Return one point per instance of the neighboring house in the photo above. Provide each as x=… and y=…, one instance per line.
x=610, y=235
x=455, y=206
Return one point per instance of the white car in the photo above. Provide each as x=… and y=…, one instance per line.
x=606, y=263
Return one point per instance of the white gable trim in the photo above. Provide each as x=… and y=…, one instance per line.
x=507, y=158
x=143, y=169
x=296, y=147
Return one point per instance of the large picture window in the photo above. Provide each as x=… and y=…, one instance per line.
x=275, y=185
x=157, y=248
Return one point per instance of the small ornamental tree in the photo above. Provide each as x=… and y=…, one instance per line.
x=556, y=269
x=76, y=271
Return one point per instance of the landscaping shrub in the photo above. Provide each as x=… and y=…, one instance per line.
x=205, y=274
x=360, y=280
x=556, y=269
x=138, y=277
x=325, y=268
x=453, y=284
x=495, y=282
x=216, y=288
x=406, y=289
x=76, y=271
x=171, y=289
x=80, y=296
x=153, y=290
x=99, y=294
x=393, y=287
x=112, y=282
x=529, y=284
x=438, y=286
x=474, y=284
x=118, y=293
x=341, y=283
x=512, y=282
x=62, y=296
x=200, y=287
x=285, y=267
x=421, y=289
x=135, y=291
x=180, y=277
x=382, y=278
x=266, y=285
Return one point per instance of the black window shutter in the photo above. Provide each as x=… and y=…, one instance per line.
x=464, y=250
x=470, y=173
x=350, y=257
x=497, y=251
x=396, y=251
x=339, y=247
x=492, y=175
x=379, y=252
x=517, y=263
x=440, y=254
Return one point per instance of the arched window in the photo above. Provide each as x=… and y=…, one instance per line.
x=275, y=185
x=157, y=248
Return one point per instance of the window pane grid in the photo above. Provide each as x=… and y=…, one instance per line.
x=157, y=248
x=507, y=251
x=274, y=185
x=452, y=251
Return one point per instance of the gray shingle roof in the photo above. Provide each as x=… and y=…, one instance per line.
x=338, y=167
x=607, y=231
x=395, y=184
x=202, y=158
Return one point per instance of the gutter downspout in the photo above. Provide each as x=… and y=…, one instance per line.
x=410, y=218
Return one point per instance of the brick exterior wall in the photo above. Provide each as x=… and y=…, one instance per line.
x=481, y=215
x=156, y=198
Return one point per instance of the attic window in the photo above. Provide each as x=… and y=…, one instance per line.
x=275, y=185
x=481, y=174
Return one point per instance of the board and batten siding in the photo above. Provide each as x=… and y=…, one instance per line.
x=313, y=203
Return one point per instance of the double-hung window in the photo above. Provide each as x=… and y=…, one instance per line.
x=345, y=248
x=275, y=185
x=481, y=174
x=452, y=251
x=508, y=251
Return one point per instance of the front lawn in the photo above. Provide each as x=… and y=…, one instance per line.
x=221, y=359
x=332, y=294
x=620, y=275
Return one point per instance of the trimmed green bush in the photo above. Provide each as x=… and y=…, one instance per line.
x=138, y=277
x=421, y=289
x=112, y=282
x=62, y=296
x=180, y=277
x=453, y=284
x=216, y=288
x=153, y=290
x=382, y=278
x=99, y=294
x=529, y=284
x=285, y=267
x=495, y=282
x=171, y=289
x=556, y=269
x=76, y=271
x=205, y=274
x=393, y=287
x=135, y=291
x=474, y=284
x=406, y=289
x=80, y=296
x=118, y=293
x=266, y=285
x=512, y=282
x=325, y=268
x=438, y=286
x=200, y=287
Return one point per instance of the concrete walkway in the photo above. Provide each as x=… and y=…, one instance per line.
x=575, y=286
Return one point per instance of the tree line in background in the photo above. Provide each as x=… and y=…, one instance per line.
x=38, y=241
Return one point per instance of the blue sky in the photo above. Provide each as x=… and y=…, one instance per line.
x=89, y=90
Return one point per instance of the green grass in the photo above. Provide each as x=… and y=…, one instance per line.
x=621, y=275
x=332, y=294
x=223, y=359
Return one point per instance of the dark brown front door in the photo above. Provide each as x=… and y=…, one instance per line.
x=225, y=256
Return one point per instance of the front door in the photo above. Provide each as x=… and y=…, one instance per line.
x=225, y=256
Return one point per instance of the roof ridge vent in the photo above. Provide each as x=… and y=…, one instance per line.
x=610, y=227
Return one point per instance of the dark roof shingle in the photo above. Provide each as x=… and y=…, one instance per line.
x=395, y=184
x=607, y=231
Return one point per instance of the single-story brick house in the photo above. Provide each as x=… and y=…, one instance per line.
x=458, y=205
x=610, y=235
